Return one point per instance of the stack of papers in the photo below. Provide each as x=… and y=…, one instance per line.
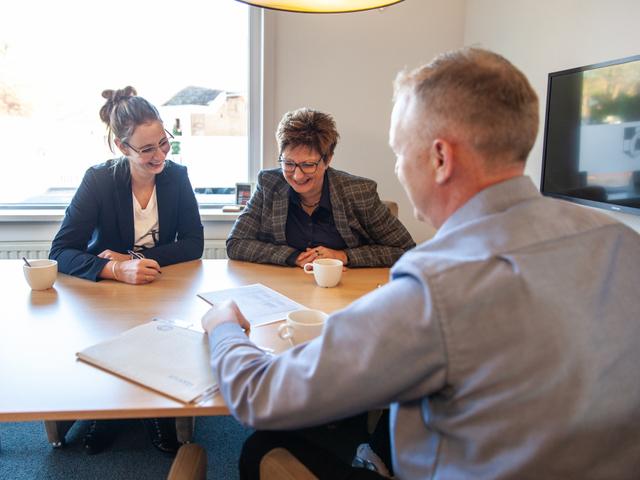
x=166, y=358
x=172, y=356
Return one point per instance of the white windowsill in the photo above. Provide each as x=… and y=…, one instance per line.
x=57, y=215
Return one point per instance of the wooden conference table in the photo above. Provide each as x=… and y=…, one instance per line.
x=41, y=379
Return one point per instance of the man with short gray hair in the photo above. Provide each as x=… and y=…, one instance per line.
x=508, y=345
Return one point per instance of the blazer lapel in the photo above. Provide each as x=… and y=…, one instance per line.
x=339, y=209
x=166, y=193
x=123, y=199
x=280, y=210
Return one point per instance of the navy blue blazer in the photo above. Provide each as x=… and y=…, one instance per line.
x=100, y=217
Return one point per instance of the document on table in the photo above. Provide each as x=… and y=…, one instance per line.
x=167, y=358
x=259, y=304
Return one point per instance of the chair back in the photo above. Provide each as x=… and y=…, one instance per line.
x=190, y=463
x=280, y=464
x=393, y=206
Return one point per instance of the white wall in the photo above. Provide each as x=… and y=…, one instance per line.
x=543, y=36
x=345, y=64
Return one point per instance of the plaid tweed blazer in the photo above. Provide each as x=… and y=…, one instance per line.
x=374, y=236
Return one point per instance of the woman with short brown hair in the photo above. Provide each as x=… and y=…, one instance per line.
x=306, y=209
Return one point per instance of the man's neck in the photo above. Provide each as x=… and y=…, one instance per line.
x=462, y=193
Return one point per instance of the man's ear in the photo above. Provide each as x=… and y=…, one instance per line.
x=443, y=160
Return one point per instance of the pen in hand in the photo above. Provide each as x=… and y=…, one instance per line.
x=139, y=257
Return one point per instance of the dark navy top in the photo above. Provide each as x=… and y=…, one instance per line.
x=307, y=231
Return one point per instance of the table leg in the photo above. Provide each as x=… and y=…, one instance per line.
x=184, y=429
x=56, y=431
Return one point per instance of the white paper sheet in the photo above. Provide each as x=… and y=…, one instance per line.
x=259, y=304
x=166, y=358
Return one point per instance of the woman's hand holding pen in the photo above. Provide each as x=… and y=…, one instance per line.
x=123, y=269
x=138, y=271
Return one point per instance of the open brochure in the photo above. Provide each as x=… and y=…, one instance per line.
x=159, y=355
x=259, y=304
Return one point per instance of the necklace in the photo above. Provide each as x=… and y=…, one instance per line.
x=309, y=206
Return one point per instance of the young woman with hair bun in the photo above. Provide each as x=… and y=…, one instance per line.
x=139, y=202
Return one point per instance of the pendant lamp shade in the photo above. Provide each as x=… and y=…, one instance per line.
x=320, y=6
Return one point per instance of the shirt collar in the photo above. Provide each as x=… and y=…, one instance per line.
x=491, y=200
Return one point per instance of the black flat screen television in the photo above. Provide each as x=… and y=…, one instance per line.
x=591, y=150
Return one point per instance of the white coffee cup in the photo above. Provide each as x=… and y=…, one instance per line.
x=42, y=274
x=302, y=326
x=326, y=270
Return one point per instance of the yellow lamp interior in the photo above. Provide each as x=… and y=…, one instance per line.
x=321, y=6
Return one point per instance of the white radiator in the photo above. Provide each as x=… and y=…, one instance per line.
x=34, y=250
x=30, y=250
x=215, y=249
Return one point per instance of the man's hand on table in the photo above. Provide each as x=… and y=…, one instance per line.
x=222, y=312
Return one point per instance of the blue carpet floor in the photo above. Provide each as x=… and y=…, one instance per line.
x=26, y=455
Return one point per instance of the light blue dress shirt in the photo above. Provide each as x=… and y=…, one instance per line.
x=508, y=347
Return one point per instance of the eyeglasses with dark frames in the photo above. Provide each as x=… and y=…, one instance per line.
x=149, y=152
x=305, y=167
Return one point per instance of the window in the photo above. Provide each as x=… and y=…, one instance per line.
x=190, y=59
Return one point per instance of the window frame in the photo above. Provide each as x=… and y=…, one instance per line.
x=256, y=113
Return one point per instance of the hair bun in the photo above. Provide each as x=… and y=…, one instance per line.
x=117, y=96
x=114, y=97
